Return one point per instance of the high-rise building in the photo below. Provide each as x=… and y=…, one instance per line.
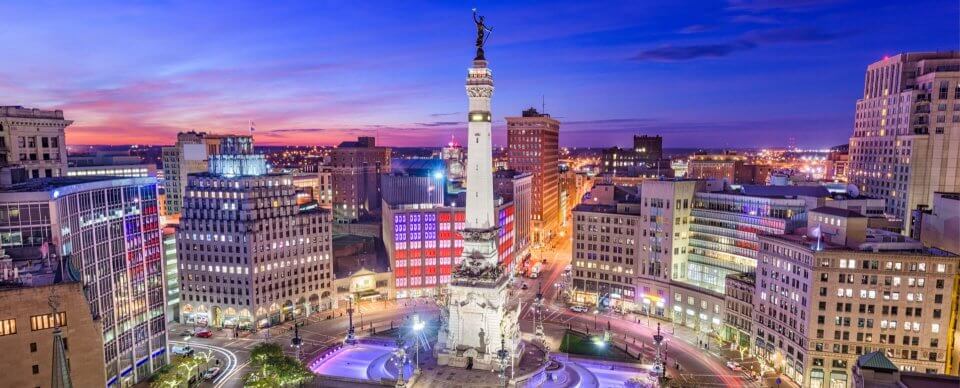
x=517, y=187
x=472, y=333
x=907, y=125
x=34, y=139
x=533, y=146
x=842, y=290
x=190, y=155
x=109, y=231
x=356, y=167
x=250, y=255
x=836, y=165
x=27, y=326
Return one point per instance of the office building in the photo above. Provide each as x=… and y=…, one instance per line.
x=425, y=245
x=836, y=165
x=109, y=231
x=725, y=229
x=517, y=187
x=645, y=158
x=907, y=125
x=720, y=166
x=356, y=167
x=31, y=356
x=34, y=138
x=250, y=255
x=107, y=163
x=606, y=251
x=738, y=318
x=840, y=290
x=533, y=146
x=190, y=155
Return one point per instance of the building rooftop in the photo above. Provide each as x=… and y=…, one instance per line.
x=839, y=212
x=785, y=191
x=876, y=361
x=417, y=166
x=47, y=185
x=877, y=240
x=352, y=253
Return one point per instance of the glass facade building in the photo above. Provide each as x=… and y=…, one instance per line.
x=108, y=231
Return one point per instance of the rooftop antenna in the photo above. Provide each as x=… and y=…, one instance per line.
x=543, y=104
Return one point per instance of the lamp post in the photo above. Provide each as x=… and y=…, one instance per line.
x=418, y=326
x=351, y=334
x=502, y=355
x=658, y=364
x=401, y=361
x=296, y=341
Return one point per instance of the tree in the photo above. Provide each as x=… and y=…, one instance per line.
x=273, y=369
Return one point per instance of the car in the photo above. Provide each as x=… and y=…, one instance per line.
x=578, y=309
x=524, y=286
x=211, y=373
x=203, y=334
x=184, y=351
x=733, y=366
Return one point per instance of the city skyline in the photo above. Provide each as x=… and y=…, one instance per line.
x=677, y=70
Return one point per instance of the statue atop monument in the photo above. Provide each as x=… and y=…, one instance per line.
x=483, y=32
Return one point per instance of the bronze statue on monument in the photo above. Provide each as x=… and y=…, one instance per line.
x=483, y=32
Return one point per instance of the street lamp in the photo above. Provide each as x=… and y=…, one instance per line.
x=418, y=326
x=351, y=334
x=595, y=313
x=296, y=342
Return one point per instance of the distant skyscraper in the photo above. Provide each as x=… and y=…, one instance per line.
x=356, y=167
x=454, y=157
x=34, y=139
x=533, y=143
x=189, y=155
x=906, y=131
x=644, y=159
x=249, y=255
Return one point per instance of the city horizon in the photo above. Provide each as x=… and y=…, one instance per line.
x=682, y=77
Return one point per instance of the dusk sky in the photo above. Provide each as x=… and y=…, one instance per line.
x=736, y=73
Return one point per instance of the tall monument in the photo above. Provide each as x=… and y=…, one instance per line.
x=480, y=317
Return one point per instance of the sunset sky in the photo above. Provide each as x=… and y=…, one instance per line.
x=702, y=74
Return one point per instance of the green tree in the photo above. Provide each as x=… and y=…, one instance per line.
x=273, y=369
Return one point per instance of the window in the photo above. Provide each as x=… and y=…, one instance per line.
x=46, y=321
x=36, y=369
x=33, y=347
x=8, y=327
